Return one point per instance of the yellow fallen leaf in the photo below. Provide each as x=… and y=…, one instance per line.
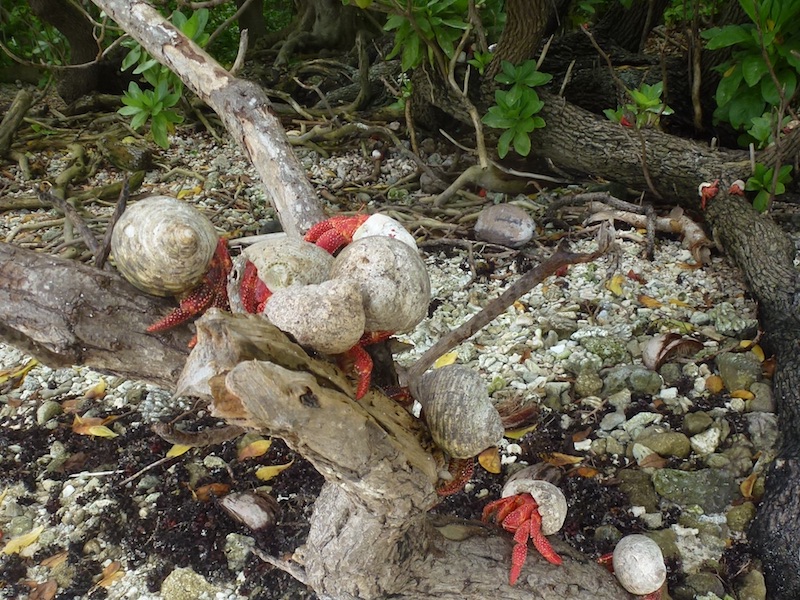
x=489, y=459
x=17, y=372
x=267, y=473
x=189, y=192
x=257, y=448
x=516, y=434
x=714, y=384
x=679, y=303
x=15, y=545
x=97, y=391
x=746, y=487
x=759, y=352
x=445, y=359
x=519, y=306
x=101, y=431
x=743, y=394
x=59, y=558
x=559, y=459
x=648, y=302
x=177, y=450
x=93, y=426
x=745, y=344
x=3, y=496
x=614, y=285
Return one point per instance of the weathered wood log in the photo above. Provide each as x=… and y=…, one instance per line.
x=242, y=106
x=66, y=313
x=13, y=118
x=766, y=254
x=370, y=533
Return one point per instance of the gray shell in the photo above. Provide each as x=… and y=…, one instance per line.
x=286, y=261
x=163, y=246
x=460, y=415
x=394, y=282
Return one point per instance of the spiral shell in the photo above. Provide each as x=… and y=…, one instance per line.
x=460, y=415
x=380, y=224
x=163, y=246
x=282, y=262
x=394, y=282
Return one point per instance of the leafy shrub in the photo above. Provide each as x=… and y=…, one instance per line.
x=762, y=182
x=645, y=110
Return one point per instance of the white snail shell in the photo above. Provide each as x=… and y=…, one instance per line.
x=163, y=246
x=327, y=317
x=394, y=282
x=550, y=499
x=461, y=417
x=379, y=224
x=639, y=564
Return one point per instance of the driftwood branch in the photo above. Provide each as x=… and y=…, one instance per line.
x=242, y=106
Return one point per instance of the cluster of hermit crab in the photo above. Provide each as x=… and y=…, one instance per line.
x=352, y=281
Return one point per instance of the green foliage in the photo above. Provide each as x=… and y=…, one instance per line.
x=762, y=183
x=404, y=93
x=645, y=110
x=439, y=21
x=748, y=90
x=515, y=109
x=480, y=60
x=27, y=37
x=156, y=104
x=681, y=11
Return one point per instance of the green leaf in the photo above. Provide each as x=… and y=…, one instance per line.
x=497, y=119
x=394, y=21
x=761, y=201
x=131, y=58
x=784, y=173
x=412, y=54
x=722, y=37
x=504, y=142
x=753, y=69
x=139, y=119
x=127, y=111
x=538, y=122
x=522, y=143
x=159, y=129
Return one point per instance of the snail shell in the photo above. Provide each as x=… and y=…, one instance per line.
x=327, y=317
x=550, y=499
x=379, y=224
x=394, y=282
x=163, y=246
x=639, y=564
x=461, y=417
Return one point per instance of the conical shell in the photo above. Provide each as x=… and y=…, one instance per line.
x=460, y=415
x=163, y=246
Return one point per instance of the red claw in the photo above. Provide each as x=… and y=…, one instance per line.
x=252, y=291
x=520, y=514
x=335, y=232
x=707, y=191
x=211, y=291
x=362, y=361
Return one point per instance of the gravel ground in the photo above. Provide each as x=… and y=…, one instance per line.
x=675, y=452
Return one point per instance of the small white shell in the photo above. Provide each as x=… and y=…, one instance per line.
x=394, y=282
x=461, y=417
x=327, y=317
x=639, y=564
x=551, y=500
x=163, y=246
x=379, y=224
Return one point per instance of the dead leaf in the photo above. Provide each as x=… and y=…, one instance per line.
x=558, y=459
x=254, y=449
x=759, y=352
x=210, y=491
x=111, y=574
x=19, y=543
x=648, y=302
x=267, y=473
x=579, y=436
x=56, y=560
x=93, y=426
x=585, y=472
x=614, y=285
x=445, y=359
x=653, y=460
x=743, y=394
x=714, y=384
x=489, y=459
x=17, y=373
x=177, y=450
x=44, y=591
x=516, y=434
x=746, y=487
x=97, y=391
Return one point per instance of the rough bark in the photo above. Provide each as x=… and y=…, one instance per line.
x=66, y=313
x=13, y=118
x=241, y=105
x=765, y=255
x=370, y=534
x=525, y=23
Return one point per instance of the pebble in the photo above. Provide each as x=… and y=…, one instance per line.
x=711, y=489
x=505, y=224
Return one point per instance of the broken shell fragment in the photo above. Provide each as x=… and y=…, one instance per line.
x=661, y=348
x=163, y=246
x=327, y=317
x=394, y=282
x=461, y=417
x=639, y=564
x=251, y=509
x=550, y=499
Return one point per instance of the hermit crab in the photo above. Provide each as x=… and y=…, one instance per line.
x=166, y=247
